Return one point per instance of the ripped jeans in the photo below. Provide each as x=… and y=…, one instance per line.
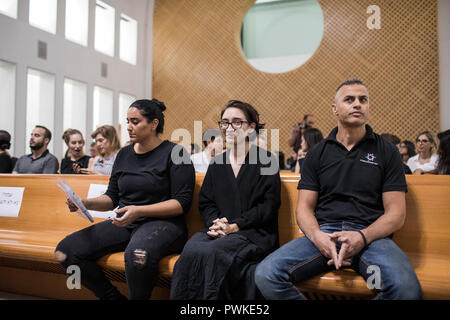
x=144, y=246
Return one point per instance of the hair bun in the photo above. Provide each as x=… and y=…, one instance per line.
x=159, y=104
x=66, y=134
x=4, y=145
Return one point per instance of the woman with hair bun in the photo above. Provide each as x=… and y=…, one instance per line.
x=76, y=158
x=6, y=165
x=152, y=194
x=238, y=203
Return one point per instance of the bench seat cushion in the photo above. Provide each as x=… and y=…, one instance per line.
x=433, y=271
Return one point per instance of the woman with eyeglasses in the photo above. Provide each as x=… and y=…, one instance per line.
x=425, y=160
x=238, y=203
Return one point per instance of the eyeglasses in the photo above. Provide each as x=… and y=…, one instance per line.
x=422, y=141
x=235, y=124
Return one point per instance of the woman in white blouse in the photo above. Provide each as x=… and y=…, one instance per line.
x=425, y=160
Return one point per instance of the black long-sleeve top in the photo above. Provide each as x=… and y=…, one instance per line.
x=149, y=178
x=67, y=163
x=251, y=200
x=5, y=163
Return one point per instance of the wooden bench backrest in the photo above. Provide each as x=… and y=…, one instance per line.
x=427, y=224
x=426, y=229
x=43, y=203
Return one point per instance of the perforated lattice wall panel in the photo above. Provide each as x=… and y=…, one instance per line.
x=198, y=66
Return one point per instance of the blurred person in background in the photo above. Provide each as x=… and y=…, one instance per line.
x=212, y=139
x=107, y=142
x=93, y=150
x=396, y=141
x=407, y=150
x=425, y=160
x=6, y=165
x=40, y=160
x=443, y=165
x=310, y=137
x=76, y=158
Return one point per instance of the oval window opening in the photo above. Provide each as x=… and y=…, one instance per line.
x=281, y=35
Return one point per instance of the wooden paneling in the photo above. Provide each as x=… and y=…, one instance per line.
x=28, y=242
x=198, y=65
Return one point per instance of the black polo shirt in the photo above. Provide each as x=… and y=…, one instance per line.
x=351, y=183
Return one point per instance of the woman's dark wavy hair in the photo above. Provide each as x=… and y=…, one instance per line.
x=312, y=136
x=151, y=109
x=410, y=147
x=251, y=115
x=443, y=166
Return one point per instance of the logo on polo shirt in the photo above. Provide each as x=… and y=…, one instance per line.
x=370, y=158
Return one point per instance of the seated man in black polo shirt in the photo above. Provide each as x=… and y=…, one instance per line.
x=351, y=200
x=40, y=160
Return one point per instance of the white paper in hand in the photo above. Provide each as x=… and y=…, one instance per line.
x=96, y=190
x=82, y=211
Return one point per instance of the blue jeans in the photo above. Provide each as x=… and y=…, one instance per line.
x=300, y=260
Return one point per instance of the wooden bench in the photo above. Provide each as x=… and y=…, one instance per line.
x=27, y=243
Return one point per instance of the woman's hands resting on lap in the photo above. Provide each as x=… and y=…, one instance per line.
x=221, y=228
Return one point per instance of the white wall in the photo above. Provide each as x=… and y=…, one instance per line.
x=444, y=62
x=7, y=92
x=65, y=59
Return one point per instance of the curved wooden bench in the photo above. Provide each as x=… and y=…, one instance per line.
x=425, y=238
x=27, y=243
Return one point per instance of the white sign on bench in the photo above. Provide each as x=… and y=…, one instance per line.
x=10, y=201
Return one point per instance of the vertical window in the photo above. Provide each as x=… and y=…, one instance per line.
x=40, y=103
x=43, y=14
x=7, y=98
x=128, y=39
x=77, y=21
x=9, y=8
x=103, y=107
x=75, y=105
x=124, y=103
x=104, y=28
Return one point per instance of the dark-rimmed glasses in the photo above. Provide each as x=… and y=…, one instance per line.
x=235, y=124
x=422, y=141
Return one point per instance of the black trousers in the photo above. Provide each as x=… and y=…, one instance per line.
x=144, y=246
